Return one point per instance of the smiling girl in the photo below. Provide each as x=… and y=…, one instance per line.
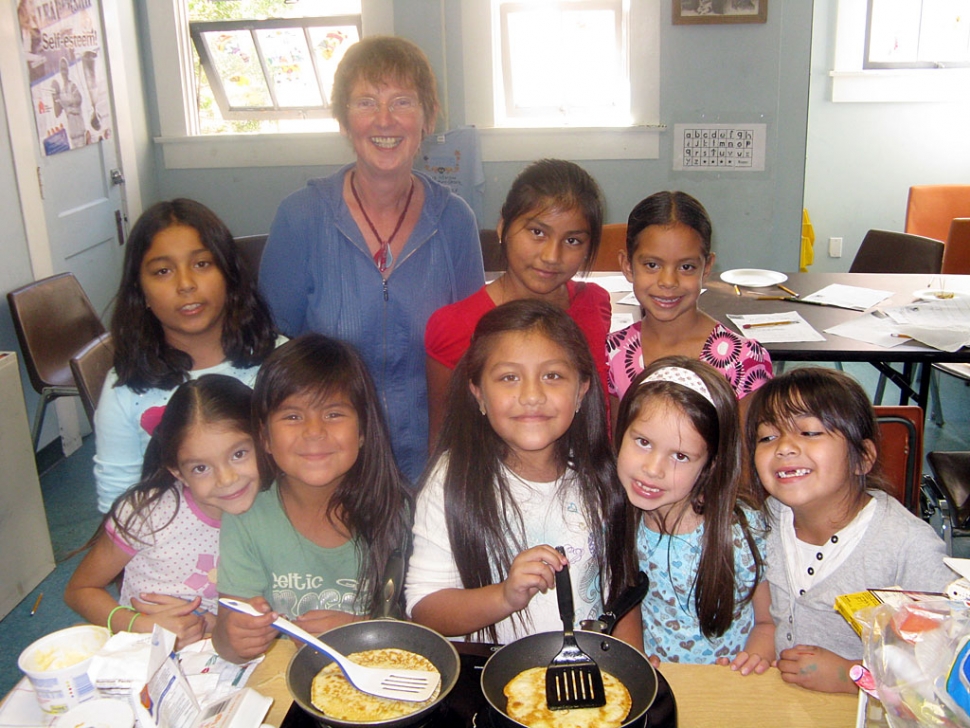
x=668, y=256
x=186, y=306
x=313, y=547
x=679, y=459
x=833, y=529
x=550, y=230
x=163, y=534
x=523, y=464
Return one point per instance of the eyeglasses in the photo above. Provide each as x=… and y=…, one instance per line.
x=398, y=106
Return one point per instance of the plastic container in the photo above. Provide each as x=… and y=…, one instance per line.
x=57, y=666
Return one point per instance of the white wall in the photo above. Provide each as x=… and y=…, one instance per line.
x=863, y=157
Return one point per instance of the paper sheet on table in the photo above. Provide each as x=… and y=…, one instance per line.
x=853, y=297
x=944, y=325
x=950, y=314
x=620, y=321
x=613, y=284
x=872, y=329
x=943, y=339
x=776, y=331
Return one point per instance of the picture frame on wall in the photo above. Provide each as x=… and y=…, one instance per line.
x=710, y=12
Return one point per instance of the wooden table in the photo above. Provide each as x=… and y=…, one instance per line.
x=706, y=696
x=720, y=299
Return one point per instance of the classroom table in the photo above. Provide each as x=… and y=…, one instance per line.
x=706, y=695
x=721, y=299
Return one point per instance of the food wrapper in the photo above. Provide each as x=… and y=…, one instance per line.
x=911, y=651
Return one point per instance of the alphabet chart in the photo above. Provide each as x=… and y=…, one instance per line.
x=720, y=147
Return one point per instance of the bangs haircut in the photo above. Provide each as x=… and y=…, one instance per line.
x=835, y=398
x=717, y=423
x=383, y=59
x=317, y=367
x=714, y=495
x=555, y=184
x=666, y=209
x=371, y=500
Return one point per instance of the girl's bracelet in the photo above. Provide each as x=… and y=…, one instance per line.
x=131, y=624
x=111, y=614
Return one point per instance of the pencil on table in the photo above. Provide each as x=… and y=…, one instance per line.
x=788, y=290
x=737, y=290
x=767, y=323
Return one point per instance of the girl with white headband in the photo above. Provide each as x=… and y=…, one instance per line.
x=679, y=459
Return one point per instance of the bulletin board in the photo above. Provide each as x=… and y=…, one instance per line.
x=719, y=147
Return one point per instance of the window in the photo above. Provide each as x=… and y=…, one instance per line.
x=549, y=77
x=194, y=133
x=917, y=34
x=883, y=50
x=583, y=74
x=258, y=62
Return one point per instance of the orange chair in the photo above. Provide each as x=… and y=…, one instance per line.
x=931, y=208
x=612, y=242
x=901, y=452
x=956, y=252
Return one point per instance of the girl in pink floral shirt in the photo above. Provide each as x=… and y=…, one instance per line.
x=667, y=259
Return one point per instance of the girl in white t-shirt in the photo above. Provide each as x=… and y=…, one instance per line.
x=523, y=464
x=164, y=533
x=187, y=305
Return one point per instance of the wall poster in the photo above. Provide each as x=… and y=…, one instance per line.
x=64, y=50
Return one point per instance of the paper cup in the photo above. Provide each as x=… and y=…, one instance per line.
x=57, y=666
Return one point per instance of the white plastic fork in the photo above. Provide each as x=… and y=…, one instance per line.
x=410, y=685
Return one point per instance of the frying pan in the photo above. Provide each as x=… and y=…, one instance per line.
x=372, y=635
x=537, y=650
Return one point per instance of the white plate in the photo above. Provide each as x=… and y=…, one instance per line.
x=753, y=277
x=937, y=294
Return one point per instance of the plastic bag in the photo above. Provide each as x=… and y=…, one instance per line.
x=910, y=651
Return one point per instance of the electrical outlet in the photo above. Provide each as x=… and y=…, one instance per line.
x=835, y=247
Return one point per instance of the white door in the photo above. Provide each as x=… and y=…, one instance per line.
x=85, y=222
x=73, y=201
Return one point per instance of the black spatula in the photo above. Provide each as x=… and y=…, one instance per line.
x=573, y=679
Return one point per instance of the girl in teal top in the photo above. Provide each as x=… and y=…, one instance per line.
x=313, y=547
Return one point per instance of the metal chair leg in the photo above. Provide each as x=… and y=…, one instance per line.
x=39, y=417
x=936, y=405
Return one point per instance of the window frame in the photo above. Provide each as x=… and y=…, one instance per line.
x=636, y=141
x=851, y=83
x=510, y=112
x=868, y=64
x=246, y=113
x=182, y=145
